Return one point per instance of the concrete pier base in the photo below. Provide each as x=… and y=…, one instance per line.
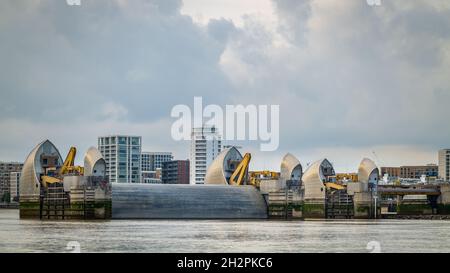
x=362, y=205
x=444, y=200
x=29, y=210
x=314, y=208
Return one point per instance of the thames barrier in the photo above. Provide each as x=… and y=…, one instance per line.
x=51, y=188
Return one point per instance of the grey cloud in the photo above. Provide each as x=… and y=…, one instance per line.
x=346, y=75
x=141, y=54
x=358, y=76
x=221, y=29
x=293, y=16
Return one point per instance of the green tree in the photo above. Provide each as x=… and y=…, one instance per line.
x=6, y=198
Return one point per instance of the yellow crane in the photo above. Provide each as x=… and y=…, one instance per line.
x=255, y=177
x=239, y=175
x=67, y=168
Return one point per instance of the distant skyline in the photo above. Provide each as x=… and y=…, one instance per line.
x=351, y=79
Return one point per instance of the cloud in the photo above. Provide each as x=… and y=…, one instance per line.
x=23, y=135
x=113, y=111
x=73, y=73
x=202, y=11
x=350, y=74
x=142, y=54
x=349, y=78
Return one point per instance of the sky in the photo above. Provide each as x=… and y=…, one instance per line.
x=352, y=80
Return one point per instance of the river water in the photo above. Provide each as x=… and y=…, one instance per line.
x=222, y=236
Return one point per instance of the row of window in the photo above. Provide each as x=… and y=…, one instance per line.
x=119, y=140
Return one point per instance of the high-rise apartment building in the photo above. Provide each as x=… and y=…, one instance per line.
x=151, y=165
x=206, y=144
x=123, y=157
x=444, y=164
x=175, y=172
x=146, y=162
x=6, y=168
x=150, y=161
x=14, y=179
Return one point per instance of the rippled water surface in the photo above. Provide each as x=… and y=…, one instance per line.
x=222, y=236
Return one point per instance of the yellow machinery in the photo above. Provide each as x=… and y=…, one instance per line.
x=68, y=166
x=334, y=186
x=240, y=174
x=255, y=177
x=49, y=180
x=53, y=176
x=347, y=177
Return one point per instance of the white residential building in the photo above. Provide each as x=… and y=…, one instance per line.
x=150, y=161
x=444, y=164
x=6, y=168
x=206, y=144
x=151, y=165
x=14, y=178
x=123, y=157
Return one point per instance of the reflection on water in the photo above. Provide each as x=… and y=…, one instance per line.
x=221, y=236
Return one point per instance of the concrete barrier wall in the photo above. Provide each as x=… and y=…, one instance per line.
x=273, y=185
x=157, y=201
x=362, y=205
